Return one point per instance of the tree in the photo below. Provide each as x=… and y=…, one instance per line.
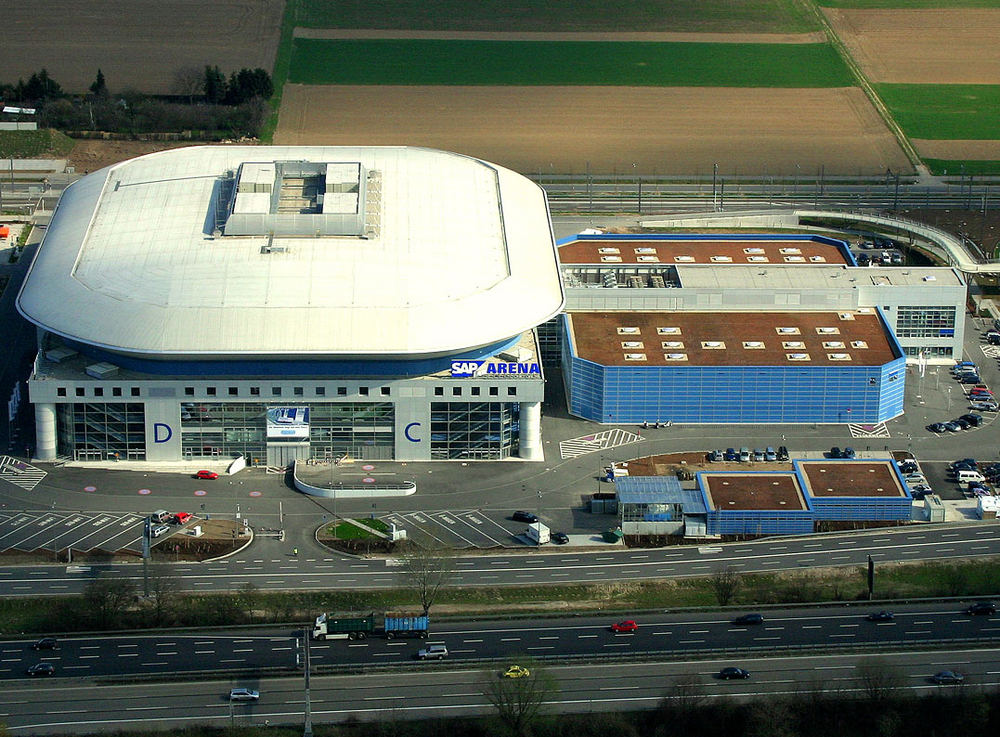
x=163, y=588
x=188, y=81
x=107, y=598
x=247, y=84
x=214, y=85
x=878, y=679
x=726, y=584
x=427, y=571
x=519, y=701
x=40, y=87
x=99, y=89
x=247, y=599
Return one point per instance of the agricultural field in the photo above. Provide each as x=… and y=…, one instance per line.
x=745, y=16
x=935, y=63
x=138, y=44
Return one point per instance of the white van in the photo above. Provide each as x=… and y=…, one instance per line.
x=965, y=477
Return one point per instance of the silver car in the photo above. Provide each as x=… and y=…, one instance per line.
x=244, y=694
x=433, y=652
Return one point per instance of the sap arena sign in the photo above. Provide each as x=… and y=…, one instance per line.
x=467, y=369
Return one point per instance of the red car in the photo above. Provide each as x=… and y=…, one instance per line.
x=182, y=518
x=627, y=625
x=206, y=475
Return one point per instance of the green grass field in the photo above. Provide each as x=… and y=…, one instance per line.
x=909, y=4
x=527, y=63
x=945, y=111
x=746, y=16
x=970, y=167
x=33, y=144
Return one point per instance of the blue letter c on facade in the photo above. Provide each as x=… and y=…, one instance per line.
x=406, y=432
x=161, y=432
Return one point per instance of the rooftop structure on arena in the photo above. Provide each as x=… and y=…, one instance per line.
x=708, y=249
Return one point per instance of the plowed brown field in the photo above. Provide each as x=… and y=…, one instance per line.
x=933, y=46
x=624, y=129
x=136, y=43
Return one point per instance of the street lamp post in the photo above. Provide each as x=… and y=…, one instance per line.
x=715, y=174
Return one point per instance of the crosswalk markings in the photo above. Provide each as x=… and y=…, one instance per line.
x=991, y=351
x=869, y=431
x=20, y=473
x=595, y=442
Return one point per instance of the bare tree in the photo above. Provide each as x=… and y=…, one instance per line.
x=726, y=584
x=163, y=588
x=427, y=571
x=107, y=598
x=247, y=599
x=519, y=701
x=189, y=81
x=878, y=679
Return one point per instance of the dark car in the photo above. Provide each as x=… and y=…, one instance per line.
x=560, y=538
x=46, y=643
x=969, y=379
x=973, y=419
x=944, y=677
x=882, y=616
x=749, y=619
x=909, y=467
x=962, y=423
x=982, y=607
x=937, y=427
x=952, y=427
x=522, y=516
x=731, y=455
x=42, y=669
x=728, y=674
x=834, y=452
x=782, y=453
x=848, y=453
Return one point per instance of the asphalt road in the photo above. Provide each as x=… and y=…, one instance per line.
x=587, y=637
x=423, y=693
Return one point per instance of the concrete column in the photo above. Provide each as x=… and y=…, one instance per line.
x=531, y=431
x=45, y=431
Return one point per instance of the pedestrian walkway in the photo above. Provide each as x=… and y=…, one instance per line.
x=598, y=441
x=20, y=473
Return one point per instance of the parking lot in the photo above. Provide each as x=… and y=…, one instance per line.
x=463, y=529
x=80, y=531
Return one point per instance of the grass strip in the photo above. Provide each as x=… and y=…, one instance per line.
x=282, y=64
x=34, y=144
x=945, y=111
x=908, y=4
x=973, y=167
x=532, y=63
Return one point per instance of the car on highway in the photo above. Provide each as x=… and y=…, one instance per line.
x=749, y=619
x=182, y=518
x=882, y=616
x=244, y=694
x=516, y=671
x=732, y=672
x=522, y=516
x=208, y=475
x=946, y=677
x=982, y=607
x=937, y=427
x=432, y=652
x=626, y=625
x=560, y=538
x=46, y=643
x=42, y=669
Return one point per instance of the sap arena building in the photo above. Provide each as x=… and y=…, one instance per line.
x=292, y=302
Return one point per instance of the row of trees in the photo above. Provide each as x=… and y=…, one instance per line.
x=209, y=101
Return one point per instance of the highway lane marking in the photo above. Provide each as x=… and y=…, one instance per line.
x=549, y=638
x=157, y=662
x=144, y=708
x=234, y=660
x=510, y=639
x=917, y=632
x=692, y=642
x=541, y=647
x=167, y=654
x=128, y=655
x=616, y=644
x=620, y=688
x=845, y=634
x=831, y=667
x=467, y=642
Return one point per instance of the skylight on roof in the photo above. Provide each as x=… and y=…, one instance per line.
x=790, y=251
x=846, y=315
x=753, y=344
x=795, y=259
x=797, y=356
x=818, y=259
x=828, y=331
x=647, y=259
x=639, y=344
x=722, y=259
x=611, y=259
x=635, y=356
x=645, y=249
x=629, y=331
x=858, y=344
x=753, y=250
x=672, y=344
x=608, y=250
x=758, y=259
x=831, y=344
x=839, y=356
x=713, y=345
x=675, y=356
x=684, y=259
x=792, y=344
x=668, y=331
x=788, y=331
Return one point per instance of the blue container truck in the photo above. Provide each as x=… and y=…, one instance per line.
x=338, y=627
x=405, y=625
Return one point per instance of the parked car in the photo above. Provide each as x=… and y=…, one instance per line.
x=770, y=454
x=937, y=427
x=46, y=643
x=209, y=475
x=782, y=453
x=160, y=530
x=758, y=455
x=432, y=652
x=522, y=516
x=970, y=462
x=42, y=669
x=715, y=456
x=728, y=674
x=848, y=453
x=244, y=694
x=834, y=452
x=182, y=518
x=973, y=419
x=945, y=677
x=964, y=424
x=984, y=406
x=982, y=607
x=731, y=455
x=560, y=538
x=626, y=625
x=516, y=671
x=882, y=616
x=749, y=619
x=744, y=454
x=952, y=426
x=969, y=379
x=915, y=478
x=909, y=466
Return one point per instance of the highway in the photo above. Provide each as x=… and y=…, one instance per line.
x=584, y=637
x=280, y=572
x=431, y=692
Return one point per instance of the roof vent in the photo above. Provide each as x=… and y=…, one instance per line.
x=930, y=278
x=846, y=315
x=684, y=259
x=795, y=259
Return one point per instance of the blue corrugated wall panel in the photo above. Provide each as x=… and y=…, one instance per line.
x=759, y=522
x=862, y=508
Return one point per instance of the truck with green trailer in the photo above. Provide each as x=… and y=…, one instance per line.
x=335, y=627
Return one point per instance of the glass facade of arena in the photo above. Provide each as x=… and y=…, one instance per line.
x=474, y=430
x=98, y=432
x=925, y=322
